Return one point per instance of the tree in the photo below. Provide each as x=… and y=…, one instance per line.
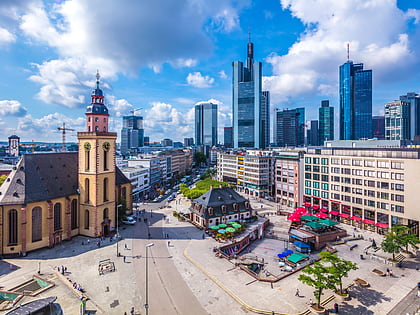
x=318, y=277
x=391, y=244
x=200, y=157
x=339, y=268
x=404, y=237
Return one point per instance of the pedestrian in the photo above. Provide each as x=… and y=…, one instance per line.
x=335, y=308
x=124, y=258
x=132, y=311
x=169, y=243
x=204, y=236
x=390, y=273
x=88, y=241
x=297, y=292
x=125, y=246
x=65, y=269
x=387, y=271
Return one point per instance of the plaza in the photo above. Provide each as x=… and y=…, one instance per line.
x=186, y=277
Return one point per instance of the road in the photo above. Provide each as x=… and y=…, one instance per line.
x=409, y=305
x=168, y=293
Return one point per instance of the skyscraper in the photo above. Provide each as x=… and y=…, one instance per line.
x=289, y=127
x=355, y=102
x=414, y=100
x=132, y=134
x=205, y=124
x=397, y=120
x=250, y=105
x=326, y=122
x=313, y=133
x=378, y=127
x=228, y=137
x=188, y=142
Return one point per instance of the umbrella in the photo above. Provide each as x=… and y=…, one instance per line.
x=322, y=215
x=221, y=231
x=222, y=225
x=294, y=219
x=214, y=227
x=289, y=252
x=229, y=229
x=236, y=225
x=300, y=209
x=280, y=255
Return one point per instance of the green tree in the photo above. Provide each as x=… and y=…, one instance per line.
x=200, y=157
x=391, y=243
x=318, y=277
x=404, y=237
x=2, y=179
x=338, y=268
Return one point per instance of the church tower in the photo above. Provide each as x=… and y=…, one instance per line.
x=97, y=169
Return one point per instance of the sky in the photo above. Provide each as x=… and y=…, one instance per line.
x=161, y=57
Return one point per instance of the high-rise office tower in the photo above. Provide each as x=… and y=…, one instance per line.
x=188, y=142
x=250, y=105
x=397, y=120
x=228, y=137
x=326, y=122
x=414, y=100
x=289, y=127
x=355, y=102
x=205, y=124
x=132, y=134
x=378, y=127
x=313, y=133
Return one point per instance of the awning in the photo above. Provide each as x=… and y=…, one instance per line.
x=308, y=218
x=322, y=215
x=306, y=204
x=328, y=222
x=344, y=215
x=333, y=212
x=367, y=221
x=296, y=257
x=356, y=218
x=381, y=225
x=315, y=207
x=314, y=225
x=300, y=209
x=301, y=244
x=323, y=210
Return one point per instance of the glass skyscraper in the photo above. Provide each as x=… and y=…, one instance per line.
x=326, y=122
x=250, y=105
x=132, y=134
x=397, y=120
x=205, y=124
x=414, y=100
x=289, y=127
x=355, y=102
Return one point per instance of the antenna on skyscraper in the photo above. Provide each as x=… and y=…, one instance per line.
x=249, y=33
x=348, y=51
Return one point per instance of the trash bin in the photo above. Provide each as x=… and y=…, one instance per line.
x=361, y=257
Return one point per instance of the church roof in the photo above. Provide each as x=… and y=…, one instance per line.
x=121, y=178
x=40, y=177
x=219, y=196
x=13, y=137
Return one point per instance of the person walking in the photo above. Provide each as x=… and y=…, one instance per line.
x=390, y=273
x=297, y=292
x=335, y=308
x=387, y=271
x=124, y=258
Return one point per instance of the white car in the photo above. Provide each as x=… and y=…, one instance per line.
x=129, y=221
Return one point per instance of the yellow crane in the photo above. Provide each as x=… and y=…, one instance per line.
x=63, y=130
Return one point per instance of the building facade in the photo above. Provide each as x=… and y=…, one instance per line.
x=188, y=142
x=414, y=100
x=289, y=127
x=132, y=134
x=397, y=121
x=250, y=105
x=206, y=124
x=370, y=188
x=378, y=127
x=355, y=90
x=228, y=137
x=326, y=122
x=313, y=133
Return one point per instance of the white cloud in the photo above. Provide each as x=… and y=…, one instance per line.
x=6, y=37
x=196, y=79
x=225, y=20
x=413, y=13
x=12, y=108
x=222, y=74
x=119, y=107
x=311, y=65
x=188, y=63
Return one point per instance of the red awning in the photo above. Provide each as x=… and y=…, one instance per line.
x=300, y=208
x=321, y=215
x=315, y=207
x=367, y=221
x=335, y=201
x=381, y=225
x=333, y=212
x=344, y=215
x=323, y=210
x=355, y=218
x=306, y=204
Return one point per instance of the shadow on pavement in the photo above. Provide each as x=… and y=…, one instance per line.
x=6, y=268
x=368, y=296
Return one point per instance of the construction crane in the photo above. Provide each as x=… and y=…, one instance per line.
x=64, y=129
x=133, y=111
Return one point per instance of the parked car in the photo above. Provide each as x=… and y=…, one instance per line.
x=129, y=221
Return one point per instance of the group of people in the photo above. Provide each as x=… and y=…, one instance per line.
x=77, y=287
x=63, y=269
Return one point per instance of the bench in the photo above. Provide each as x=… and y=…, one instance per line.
x=353, y=246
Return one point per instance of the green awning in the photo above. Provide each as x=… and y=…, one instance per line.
x=214, y=227
x=296, y=257
x=308, y=217
x=328, y=222
x=314, y=225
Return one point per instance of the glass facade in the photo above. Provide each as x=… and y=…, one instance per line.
x=132, y=134
x=397, y=121
x=414, y=100
x=289, y=127
x=326, y=122
x=206, y=124
x=355, y=92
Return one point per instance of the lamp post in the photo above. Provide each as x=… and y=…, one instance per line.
x=118, y=206
x=146, y=306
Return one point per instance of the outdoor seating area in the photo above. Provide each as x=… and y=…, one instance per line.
x=227, y=231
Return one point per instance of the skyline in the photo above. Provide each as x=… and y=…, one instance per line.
x=164, y=58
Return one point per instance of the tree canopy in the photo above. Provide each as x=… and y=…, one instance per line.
x=201, y=187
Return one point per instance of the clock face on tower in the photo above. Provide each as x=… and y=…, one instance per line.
x=87, y=146
x=106, y=146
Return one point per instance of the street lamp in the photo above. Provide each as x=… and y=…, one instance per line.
x=118, y=206
x=146, y=306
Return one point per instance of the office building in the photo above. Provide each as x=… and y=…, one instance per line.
x=326, y=122
x=414, y=100
x=313, y=133
x=228, y=137
x=132, y=134
x=289, y=127
x=167, y=142
x=147, y=141
x=378, y=127
x=397, y=120
x=250, y=105
x=355, y=90
x=206, y=124
x=188, y=142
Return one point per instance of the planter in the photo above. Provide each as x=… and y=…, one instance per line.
x=342, y=296
x=317, y=310
x=361, y=282
x=378, y=272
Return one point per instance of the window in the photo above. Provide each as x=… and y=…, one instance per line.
x=397, y=176
x=358, y=200
x=399, y=198
x=357, y=191
x=307, y=183
x=335, y=187
x=86, y=219
x=345, y=198
x=382, y=185
x=315, y=184
x=399, y=209
x=397, y=165
x=324, y=186
x=357, y=172
x=87, y=192
x=316, y=169
x=357, y=163
x=36, y=224
x=308, y=168
x=382, y=205
x=345, y=162
x=315, y=160
x=370, y=173
x=335, y=161
x=345, y=189
x=382, y=164
x=307, y=160
x=369, y=193
x=105, y=189
x=357, y=181
x=324, y=178
x=324, y=194
x=335, y=170
x=383, y=175
x=13, y=227
x=345, y=171
x=315, y=193
x=324, y=169
x=105, y=160
x=106, y=213
x=335, y=179
x=308, y=191
x=315, y=176
x=308, y=176
x=346, y=180
x=87, y=160
x=335, y=196
x=324, y=161
x=57, y=216
x=370, y=183
x=399, y=187
x=369, y=163
x=74, y=218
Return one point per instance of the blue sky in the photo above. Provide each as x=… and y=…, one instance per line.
x=164, y=56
